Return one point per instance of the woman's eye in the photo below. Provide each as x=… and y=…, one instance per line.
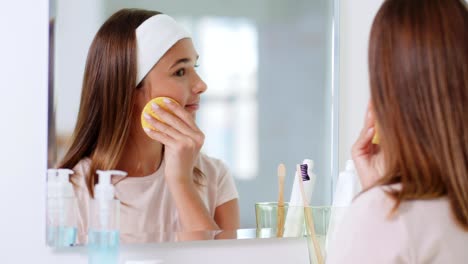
x=180, y=72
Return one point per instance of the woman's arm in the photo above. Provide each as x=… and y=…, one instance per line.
x=193, y=214
x=182, y=141
x=226, y=221
x=227, y=217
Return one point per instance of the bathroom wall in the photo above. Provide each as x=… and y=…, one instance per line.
x=356, y=19
x=23, y=133
x=23, y=106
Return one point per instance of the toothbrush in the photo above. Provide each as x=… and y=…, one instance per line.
x=280, y=216
x=308, y=214
x=295, y=216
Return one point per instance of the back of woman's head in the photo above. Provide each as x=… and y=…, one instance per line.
x=418, y=65
x=107, y=98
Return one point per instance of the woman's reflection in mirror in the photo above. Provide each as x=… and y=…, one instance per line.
x=138, y=55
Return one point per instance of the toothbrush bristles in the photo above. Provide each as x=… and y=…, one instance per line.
x=304, y=174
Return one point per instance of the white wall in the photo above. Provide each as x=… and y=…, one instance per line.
x=23, y=111
x=356, y=20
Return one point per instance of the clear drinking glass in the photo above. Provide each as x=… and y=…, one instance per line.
x=324, y=218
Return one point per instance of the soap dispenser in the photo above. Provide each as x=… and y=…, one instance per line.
x=61, y=209
x=104, y=224
x=51, y=209
x=66, y=210
x=347, y=187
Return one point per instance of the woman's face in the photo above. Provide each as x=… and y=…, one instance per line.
x=174, y=76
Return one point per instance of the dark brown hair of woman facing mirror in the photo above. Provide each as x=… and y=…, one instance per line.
x=107, y=99
x=415, y=180
x=418, y=67
x=136, y=56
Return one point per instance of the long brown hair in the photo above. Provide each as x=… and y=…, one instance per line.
x=108, y=92
x=418, y=54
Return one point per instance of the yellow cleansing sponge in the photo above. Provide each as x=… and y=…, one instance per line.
x=149, y=110
x=376, y=139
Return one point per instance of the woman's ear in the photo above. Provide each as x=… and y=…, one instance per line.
x=142, y=96
x=141, y=84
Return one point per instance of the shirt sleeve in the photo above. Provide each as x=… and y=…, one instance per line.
x=368, y=233
x=226, y=188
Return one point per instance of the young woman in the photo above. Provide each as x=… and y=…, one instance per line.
x=415, y=205
x=135, y=56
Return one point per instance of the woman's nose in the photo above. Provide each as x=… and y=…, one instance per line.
x=199, y=85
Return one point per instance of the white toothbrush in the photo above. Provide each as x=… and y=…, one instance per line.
x=294, y=224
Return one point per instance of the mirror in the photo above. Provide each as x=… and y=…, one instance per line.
x=270, y=67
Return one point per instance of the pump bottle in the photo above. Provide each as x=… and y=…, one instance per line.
x=103, y=233
x=51, y=210
x=347, y=187
x=61, y=209
x=67, y=210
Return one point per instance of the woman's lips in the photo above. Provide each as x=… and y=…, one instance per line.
x=192, y=107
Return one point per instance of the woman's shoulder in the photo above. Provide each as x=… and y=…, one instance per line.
x=220, y=182
x=402, y=232
x=376, y=199
x=211, y=166
x=373, y=211
x=379, y=202
x=369, y=226
x=377, y=207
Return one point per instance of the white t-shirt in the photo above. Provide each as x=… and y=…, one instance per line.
x=421, y=231
x=148, y=212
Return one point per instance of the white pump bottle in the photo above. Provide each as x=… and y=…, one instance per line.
x=347, y=187
x=61, y=209
x=52, y=215
x=65, y=188
x=104, y=225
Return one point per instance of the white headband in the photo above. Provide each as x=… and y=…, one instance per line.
x=154, y=38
